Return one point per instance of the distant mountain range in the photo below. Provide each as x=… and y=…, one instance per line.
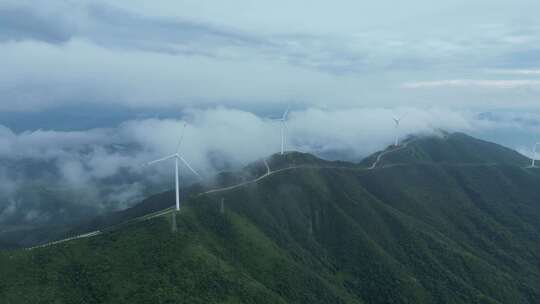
x=449, y=219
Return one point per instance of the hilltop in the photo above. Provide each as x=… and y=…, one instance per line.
x=454, y=148
x=429, y=223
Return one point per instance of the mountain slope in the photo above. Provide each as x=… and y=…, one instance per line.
x=456, y=148
x=405, y=232
x=222, y=180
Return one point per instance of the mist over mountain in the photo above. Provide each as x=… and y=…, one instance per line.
x=102, y=168
x=449, y=219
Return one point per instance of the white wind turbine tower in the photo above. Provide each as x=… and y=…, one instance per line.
x=177, y=158
x=535, y=155
x=283, y=121
x=397, y=122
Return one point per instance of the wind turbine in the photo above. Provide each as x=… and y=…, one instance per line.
x=177, y=158
x=283, y=121
x=397, y=122
x=535, y=155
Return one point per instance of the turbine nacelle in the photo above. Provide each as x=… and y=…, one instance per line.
x=397, y=122
x=178, y=158
x=535, y=155
x=283, y=121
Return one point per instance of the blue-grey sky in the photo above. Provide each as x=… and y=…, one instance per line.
x=173, y=54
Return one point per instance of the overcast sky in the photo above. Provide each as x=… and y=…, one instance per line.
x=80, y=76
x=481, y=54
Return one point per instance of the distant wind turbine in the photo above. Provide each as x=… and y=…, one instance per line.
x=535, y=155
x=397, y=122
x=177, y=157
x=283, y=121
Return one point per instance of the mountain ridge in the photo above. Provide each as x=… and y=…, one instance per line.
x=392, y=156
x=419, y=232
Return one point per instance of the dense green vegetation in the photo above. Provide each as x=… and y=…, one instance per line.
x=442, y=227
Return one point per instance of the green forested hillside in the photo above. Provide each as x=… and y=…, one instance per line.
x=445, y=229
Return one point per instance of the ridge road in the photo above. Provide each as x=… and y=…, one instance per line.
x=268, y=173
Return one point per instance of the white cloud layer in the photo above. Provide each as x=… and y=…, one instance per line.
x=104, y=166
x=224, y=130
x=174, y=54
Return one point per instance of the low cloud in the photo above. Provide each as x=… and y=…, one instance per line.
x=104, y=166
x=102, y=169
x=7, y=210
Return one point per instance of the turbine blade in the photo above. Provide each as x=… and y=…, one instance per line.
x=181, y=138
x=190, y=168
x=160, y=160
